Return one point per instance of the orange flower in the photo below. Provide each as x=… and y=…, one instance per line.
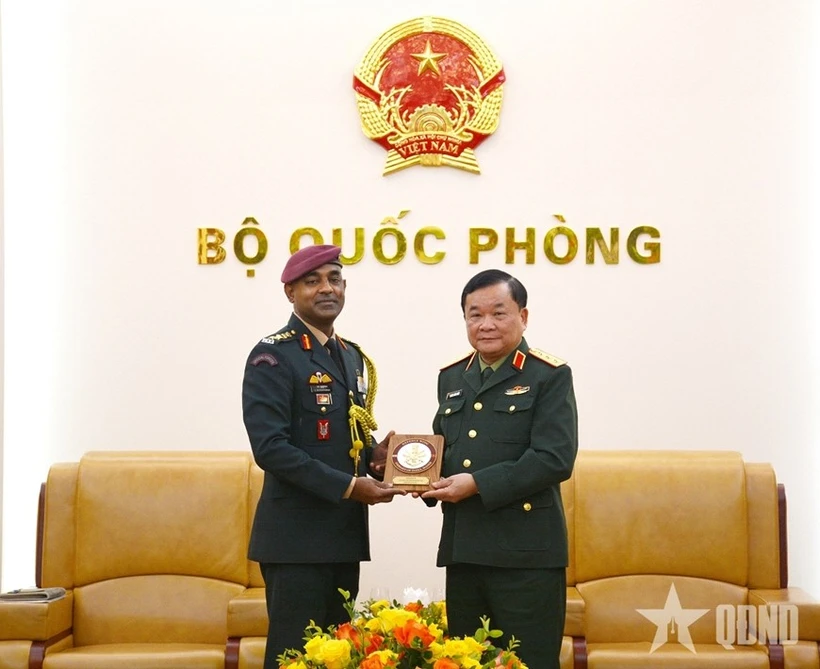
x=445, y=663
x=371, y=662
x=350, y=633
x=375, y=661
x=412, y=630
x=374, y=643
x=415, y=607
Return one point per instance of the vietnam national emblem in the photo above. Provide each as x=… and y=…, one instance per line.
x=429, y=91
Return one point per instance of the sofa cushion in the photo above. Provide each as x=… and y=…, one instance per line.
x=673, y=656
x=612, y=605
x=144, y=656
x=156, y=609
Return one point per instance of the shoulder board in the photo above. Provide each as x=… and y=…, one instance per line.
x=344, y=342
x=279, y=337
x=454, y=363
x=546, y=357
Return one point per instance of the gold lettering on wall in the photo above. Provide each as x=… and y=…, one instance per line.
x=560, y=244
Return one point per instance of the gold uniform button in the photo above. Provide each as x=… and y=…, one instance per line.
x=527, y=506
x=512, y=408
x=446, y=411
x=478, y=406
x=323, y=409
x=467, y=463
x=472, y=434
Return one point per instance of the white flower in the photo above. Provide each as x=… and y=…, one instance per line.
x=415, y=595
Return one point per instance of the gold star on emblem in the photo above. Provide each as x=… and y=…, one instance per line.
x=428, y=60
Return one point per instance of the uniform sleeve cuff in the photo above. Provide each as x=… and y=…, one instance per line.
x=349, y=488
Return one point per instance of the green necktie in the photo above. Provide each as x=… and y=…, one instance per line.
x=486, y=373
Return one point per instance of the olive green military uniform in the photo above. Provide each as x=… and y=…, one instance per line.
x=505, y=548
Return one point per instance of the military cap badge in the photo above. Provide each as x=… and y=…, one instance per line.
x=429, y=91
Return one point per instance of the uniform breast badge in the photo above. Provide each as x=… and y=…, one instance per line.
x=429, y=91
x=319, y=382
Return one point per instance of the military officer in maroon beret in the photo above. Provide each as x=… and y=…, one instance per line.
x=302, y=386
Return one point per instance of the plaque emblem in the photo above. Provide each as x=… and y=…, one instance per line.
x=413, y=461
x=429, y=91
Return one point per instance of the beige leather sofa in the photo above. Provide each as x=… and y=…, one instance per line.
x=704, y=523
x=151, y=547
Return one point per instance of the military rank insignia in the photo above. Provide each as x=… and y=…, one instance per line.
x=429, y=92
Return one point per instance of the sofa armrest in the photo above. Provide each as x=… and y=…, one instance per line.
x=808, y=608
x=574, y=623
x=36, y=621
x=248, y=614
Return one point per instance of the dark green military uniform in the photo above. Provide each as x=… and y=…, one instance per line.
x=295, y=402
x=517, y=435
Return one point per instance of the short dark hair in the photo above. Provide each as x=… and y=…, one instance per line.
x=492, y=277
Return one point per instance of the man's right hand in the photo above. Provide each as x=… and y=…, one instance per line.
x=371, y=491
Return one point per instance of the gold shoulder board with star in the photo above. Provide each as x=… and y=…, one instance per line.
x=455, y=362
x=546, y=357
x=285, y=335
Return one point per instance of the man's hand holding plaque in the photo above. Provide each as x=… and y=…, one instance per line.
x=414, y=461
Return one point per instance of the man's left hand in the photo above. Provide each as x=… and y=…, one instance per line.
x=452, y=489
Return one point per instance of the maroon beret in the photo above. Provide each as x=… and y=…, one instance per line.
x=308, y=259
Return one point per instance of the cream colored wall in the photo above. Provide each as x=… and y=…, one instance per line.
x=130, y=124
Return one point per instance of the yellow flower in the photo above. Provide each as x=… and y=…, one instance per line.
x=332, y=653
x=313, y=647
x=435, y=630
x=386, y=656
x=458, y=648
x=378, y=605
x=391, y=618
x=336, y=653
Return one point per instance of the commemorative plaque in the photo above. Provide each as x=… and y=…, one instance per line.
x=414, y=461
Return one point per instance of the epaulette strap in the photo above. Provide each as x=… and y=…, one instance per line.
x=455, y=362
x=347, y=341
x=279, y=337
x=546, y=357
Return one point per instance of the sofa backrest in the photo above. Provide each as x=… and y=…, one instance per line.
x=644, y=522
x=145, y=539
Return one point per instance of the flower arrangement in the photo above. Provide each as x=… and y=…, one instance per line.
x=390, y=635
